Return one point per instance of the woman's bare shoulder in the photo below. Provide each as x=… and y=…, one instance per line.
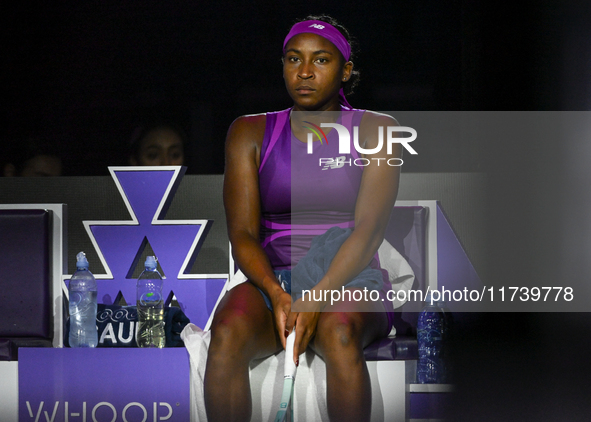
x=374, y=118
x=248, y=128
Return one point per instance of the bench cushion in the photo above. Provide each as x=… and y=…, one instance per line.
x=25, y=279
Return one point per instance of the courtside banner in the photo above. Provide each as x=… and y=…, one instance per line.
x=103, y=385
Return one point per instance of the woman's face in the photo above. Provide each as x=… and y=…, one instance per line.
x=160, y=147
x=314, y=69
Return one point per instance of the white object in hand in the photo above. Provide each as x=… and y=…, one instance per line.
x=289, y=371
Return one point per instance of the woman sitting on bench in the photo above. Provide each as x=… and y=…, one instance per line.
x=282, y=189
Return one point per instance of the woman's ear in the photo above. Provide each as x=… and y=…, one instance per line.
x=347, y=70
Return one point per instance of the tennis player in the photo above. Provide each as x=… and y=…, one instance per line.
x=279, y=197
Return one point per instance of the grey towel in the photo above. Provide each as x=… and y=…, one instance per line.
x=312, y=267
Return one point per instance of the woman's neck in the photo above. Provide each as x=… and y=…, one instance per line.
x=301, y=119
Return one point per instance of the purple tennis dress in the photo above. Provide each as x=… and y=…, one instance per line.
x=302, y=197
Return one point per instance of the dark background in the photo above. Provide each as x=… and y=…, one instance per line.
x=81, y=75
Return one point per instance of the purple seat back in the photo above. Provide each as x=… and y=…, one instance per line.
x=25, y=278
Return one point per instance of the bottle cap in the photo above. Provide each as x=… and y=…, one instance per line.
x=150, y=263
x=81, y=261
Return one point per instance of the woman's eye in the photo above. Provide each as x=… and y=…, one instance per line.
x=322, y=60
x=293, y=59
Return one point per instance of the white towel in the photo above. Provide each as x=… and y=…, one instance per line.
x=266, y=380
x=197, y=344
x=400, y=273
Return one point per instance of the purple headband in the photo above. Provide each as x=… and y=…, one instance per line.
x=323, y=29
x=329, y=32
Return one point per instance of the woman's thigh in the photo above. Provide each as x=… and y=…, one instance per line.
x=243, y=322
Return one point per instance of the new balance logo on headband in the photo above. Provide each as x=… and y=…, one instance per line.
x=315, y=25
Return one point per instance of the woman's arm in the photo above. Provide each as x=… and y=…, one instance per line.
x=243, y=211
x=375, y=200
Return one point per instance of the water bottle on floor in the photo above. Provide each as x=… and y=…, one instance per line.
x=150, y=307
x=431, y=336
x=82, y=308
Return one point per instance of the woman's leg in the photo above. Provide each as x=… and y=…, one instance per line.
x=243, y=329
x=344, y=330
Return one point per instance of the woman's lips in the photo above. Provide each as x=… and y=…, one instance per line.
x=305, y=89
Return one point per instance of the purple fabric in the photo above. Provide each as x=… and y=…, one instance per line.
x=278, y=226
x=329, y=32
x=323, y=29
x=301, y=201
x=282, y=117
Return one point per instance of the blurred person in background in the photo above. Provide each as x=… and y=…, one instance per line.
x=32, y=158
x=158, y=144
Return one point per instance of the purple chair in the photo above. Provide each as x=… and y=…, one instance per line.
x=25, y=280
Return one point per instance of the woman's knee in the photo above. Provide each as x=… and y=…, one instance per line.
x=240, y=316
x=232, y=341
x=243, y=334
x=231, y=329
x=339, y=332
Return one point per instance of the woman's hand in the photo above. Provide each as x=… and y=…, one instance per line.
x=281, y=302
x=305, y=323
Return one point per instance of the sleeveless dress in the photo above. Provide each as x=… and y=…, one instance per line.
x=302, y=194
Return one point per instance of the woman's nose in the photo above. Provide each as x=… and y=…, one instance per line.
x=305, y=71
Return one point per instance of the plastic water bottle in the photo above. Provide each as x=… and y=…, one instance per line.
x=431, y=335
x=82, y=291
x=150, y=307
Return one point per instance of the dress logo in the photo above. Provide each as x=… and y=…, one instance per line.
x=332, y=163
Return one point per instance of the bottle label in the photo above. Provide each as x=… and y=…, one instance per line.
x=150, y=298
